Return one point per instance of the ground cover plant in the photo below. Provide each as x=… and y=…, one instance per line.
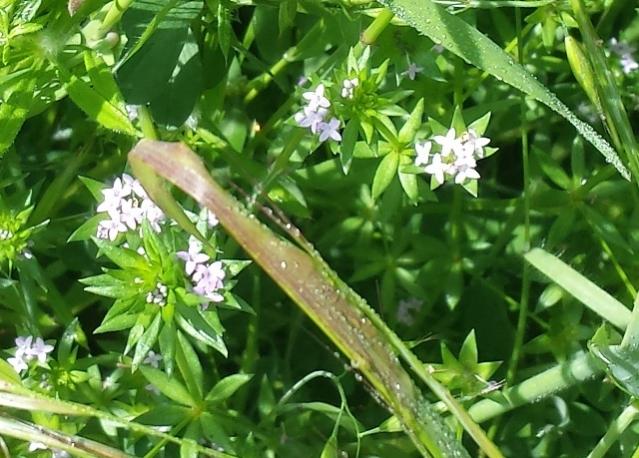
x=284, y=228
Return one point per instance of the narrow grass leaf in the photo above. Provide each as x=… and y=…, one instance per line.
x=585, y=291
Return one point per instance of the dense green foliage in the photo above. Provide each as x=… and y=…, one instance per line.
x=468, y=168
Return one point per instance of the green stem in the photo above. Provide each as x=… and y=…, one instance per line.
x=525, y=281
x=617, y=427
x=372, y=32
x=582, y=367
x=146, y=123
x=114, y=15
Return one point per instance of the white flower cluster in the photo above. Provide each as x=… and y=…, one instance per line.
x=314, y=115
x=27, y=350
x=207, y=278
x=625, y=53
x=5, y=234
x=158, y=295
x=457, y=158
x=348, y=87
x=127, y=205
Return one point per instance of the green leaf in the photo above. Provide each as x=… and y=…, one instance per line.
x=225, y=388
x=385, y=173
x=14, y=110
x=189, y=365
x=164, y=43
x=96, y=106
x=347, y=146
x=168, y=340
x=102, y=80
x=622, y=365
x=330, y=448
x=589, y=294
x=414, y=122
x=474, y=47
x=146, y=342
x=468, y=355
x=168, y=386
x=193, y=323
x=117, y=323
x=408, y=180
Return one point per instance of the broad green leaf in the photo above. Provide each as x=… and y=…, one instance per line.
x=168, y=386
x=585, y=291
x=164, y=43
x=385, y=173
x=474, y=47
x=225, y=388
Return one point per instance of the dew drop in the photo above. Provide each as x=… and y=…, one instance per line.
x=283, y=265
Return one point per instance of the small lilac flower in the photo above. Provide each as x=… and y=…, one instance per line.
x=329, y=130
x=310, y=118
x=153, y=359
x=465, y=172
x=113, y=196
x=109, y=229
x=316, y=98
x=423, y=152
x=23, y=345
x=40, y=350
x=474, y=144
x=193, y=257
x=412, y=71
x=18, y=363
x=208, y=280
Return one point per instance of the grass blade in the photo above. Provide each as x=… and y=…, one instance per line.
x=585, y=291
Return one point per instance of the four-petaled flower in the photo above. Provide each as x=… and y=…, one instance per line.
x=437, y=168
x=153, y=359
x=412, y=71
x=316, y=98
x=423, y=152
x=193, y=257
x=449, y=143
x=329, y=130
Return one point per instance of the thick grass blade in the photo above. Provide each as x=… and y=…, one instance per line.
x=310, y=284
x=585, y=291
x=615, y=114
x=462, y=39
